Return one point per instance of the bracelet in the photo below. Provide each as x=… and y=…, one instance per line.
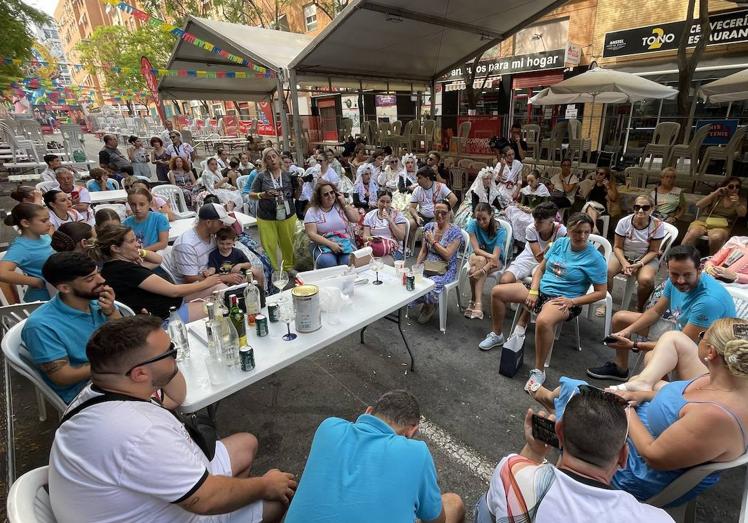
x=533, y=292
x=635, y=347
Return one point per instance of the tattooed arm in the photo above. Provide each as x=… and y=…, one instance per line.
x=60, y=372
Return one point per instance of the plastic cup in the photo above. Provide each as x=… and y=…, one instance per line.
x=216, y=371
x=399, y=267
x=418, y=271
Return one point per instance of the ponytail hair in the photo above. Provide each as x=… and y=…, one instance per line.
x=22, y=193
x=107, y=236
x=22, y=211
x=69, y=235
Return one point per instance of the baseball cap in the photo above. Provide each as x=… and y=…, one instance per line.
x=213, y=211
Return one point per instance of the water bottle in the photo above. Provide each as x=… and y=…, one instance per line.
x=178, y=335
x=252, y=303
x=249, y=277
x=213, y=331
x=229, y=342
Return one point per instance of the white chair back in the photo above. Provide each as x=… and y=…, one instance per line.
x=119, y=208
x=20, y=360
x=47, y=186
x=241, y=181
x=671, y=234
x=600, y=242
x=28, y=500
x=507, y=247
x=175, y=197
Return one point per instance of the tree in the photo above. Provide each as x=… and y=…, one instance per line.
x=258, y=13
x=331, y=8
x=117, y=46
x=16, y=19
x=470, y=68
x=687, y=64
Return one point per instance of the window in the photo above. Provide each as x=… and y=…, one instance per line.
x=310, y=17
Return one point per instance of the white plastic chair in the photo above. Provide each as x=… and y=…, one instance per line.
x=20, y=289
x=240, y=183
x=691, y=478
x=119, y=208
x=453, y=285
x=47, y=186
x=175, y=197
x=671, y=233
x=28, y=500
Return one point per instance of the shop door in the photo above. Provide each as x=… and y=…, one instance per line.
x=328, y=119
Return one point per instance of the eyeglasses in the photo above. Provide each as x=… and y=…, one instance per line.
x=701, y=335
x=441, y=213
x=170, y=353
x=733, y=186
x=393, y=161
x=644, y=208
x=329, y=193
x=172, y=136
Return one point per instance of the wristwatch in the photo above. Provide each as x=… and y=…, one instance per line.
x=635, y=347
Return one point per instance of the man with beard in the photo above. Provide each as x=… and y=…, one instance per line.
x=119, y=455
x=691, y=301
x=56, y=333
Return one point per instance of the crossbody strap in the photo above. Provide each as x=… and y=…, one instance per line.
x=106, y=396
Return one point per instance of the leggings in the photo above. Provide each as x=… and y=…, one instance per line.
x=275, y=233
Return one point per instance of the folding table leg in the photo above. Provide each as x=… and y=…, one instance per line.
x=405, y=341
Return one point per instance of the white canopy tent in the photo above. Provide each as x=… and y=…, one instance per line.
x=604, y=86
x=730, y=89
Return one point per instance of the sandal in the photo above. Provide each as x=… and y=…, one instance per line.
x=476, y=314
x=469, y=309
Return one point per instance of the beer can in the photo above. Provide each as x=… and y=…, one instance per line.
x=410, y=282
x=274, y=312
x=262, y=325
x=247, y=358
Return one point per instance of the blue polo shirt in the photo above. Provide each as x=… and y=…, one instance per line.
x=29, y=256
x=569, y=273
x=147, y=231
x=486, y=242
x=57, y=331
x=701, y=306
x=364, y=472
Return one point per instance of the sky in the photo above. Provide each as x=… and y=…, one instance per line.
x=48, y=6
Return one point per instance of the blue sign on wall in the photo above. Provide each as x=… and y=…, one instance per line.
x=722, y=130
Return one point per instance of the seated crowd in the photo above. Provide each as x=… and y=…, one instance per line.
x=621, y=446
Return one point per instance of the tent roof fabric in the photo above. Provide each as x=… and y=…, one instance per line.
x=417, y=40
x=728, y=89
x=265, y=47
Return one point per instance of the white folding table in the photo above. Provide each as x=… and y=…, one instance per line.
x=118, y=196
x=179, y=227
x=272, y=353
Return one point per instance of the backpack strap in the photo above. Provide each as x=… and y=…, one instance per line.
x=106, y=396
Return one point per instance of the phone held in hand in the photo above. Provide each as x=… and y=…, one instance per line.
x=611, y=339
x=544, y=429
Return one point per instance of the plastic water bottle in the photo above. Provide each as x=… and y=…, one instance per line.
x=178, y=335
x=229, y=342
x=213, y=332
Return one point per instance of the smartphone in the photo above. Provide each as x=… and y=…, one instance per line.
x=611, y=339
x=544, y=429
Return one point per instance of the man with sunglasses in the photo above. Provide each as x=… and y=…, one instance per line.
x=119, y=455
x=55, y=334
x=592, y=434
x=691, y=301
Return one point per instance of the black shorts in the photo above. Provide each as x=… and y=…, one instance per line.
x=543, y=298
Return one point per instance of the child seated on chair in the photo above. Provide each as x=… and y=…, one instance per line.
x=487, y=238
x=226, y=258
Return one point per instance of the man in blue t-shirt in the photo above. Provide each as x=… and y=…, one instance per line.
x=56, y=333
x=690, y=303
x=372, y=470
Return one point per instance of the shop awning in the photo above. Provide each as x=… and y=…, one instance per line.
x=728, y=89
x=413, y=40
x=666, y=69
x=265, y=47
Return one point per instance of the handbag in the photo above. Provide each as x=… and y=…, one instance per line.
x=200, y=426
x=434, y=267
x=717, y=222
x=381, y=246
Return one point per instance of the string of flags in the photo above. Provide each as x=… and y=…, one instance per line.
x=160, y=72
x=187, y=37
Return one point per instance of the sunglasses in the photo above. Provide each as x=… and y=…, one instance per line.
x=170, y=353
x=329, y=193
x=441, y=213
x=644, y=208
x=393, y=161
x=733, y=186
x=172, y=136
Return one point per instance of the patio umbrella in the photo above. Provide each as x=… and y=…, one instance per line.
x=605, y=86
x=728, y=89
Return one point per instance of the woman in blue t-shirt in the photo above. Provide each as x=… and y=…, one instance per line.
x=29, y=251
x=487, y=238
x=150, y=228
x=557, y=293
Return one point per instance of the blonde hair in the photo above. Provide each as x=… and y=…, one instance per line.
x=669, y=170
x=734, y=351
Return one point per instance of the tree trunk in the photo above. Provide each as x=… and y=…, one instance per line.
x=176, y=106
x=687, y=64
x=471, y=70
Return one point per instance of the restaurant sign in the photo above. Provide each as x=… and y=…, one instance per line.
x=513, y=64
x=726, y=28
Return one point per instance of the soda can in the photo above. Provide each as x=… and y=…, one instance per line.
x=410, y=282
x=262, y=325
x=274, y=312
x=247, y=358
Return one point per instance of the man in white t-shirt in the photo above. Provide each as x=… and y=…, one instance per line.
x=592, y=433
x=79, y=195
x=119, y=455
x=53, y=162
x=188, y=261
x=428, y=193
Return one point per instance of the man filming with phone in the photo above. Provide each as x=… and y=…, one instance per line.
x=592, y=433
x=691, y=301
x=56, y=333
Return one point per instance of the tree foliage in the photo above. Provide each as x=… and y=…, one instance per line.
x=258, y=13
x=331, y=8
x=118, y=46
x=16, y=19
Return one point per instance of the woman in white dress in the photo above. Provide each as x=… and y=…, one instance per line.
x=508, y=175
x=365, y=189
x=216, y=183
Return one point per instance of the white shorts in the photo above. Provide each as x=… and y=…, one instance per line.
x=522, y=266
x=221, y=466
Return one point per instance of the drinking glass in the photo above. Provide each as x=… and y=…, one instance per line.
x=377, y=264
x=280, y=279
x=418, y=271
x=287, y=315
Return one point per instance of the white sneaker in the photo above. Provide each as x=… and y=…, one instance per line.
x=536, y=380
x=515, y=342
x=492, y=340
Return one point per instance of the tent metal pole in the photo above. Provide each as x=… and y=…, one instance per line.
x=296, y=117
x=362, y=106
x=284, y=116
x=628, y=128
x=602, y=128
x=659, y=112
x=432, y=107
x=729, y=106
